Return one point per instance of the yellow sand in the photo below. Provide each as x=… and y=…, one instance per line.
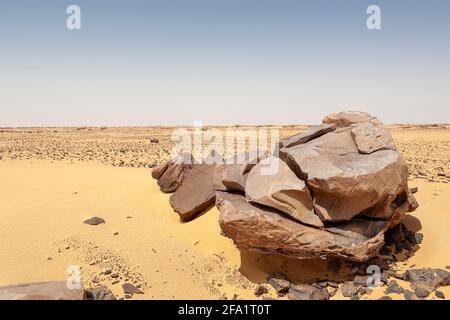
x=44, y=203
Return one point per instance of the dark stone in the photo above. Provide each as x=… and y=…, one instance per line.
x=355, y=297
x=99, y=293
x=427, y=278
x=393, y=287
x=439, y=294
x=385, y=298
x=94, y=221
x=361, y=280
x=260, y=290
x=414, y=237
x=279, y=284
x=413, y=190
x=409, y=295
x=128, y=288
x=54, y=290
x=306, y=292
x=422, y=293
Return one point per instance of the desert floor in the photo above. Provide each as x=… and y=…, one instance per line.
x=52, y=179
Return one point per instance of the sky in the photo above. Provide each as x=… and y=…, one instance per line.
x=174, y=62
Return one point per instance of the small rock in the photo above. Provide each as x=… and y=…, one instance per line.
x=260, y=290
x=422, y=293
x=439, y=294
x=393, y=287
x=306, y=292
x=114, y=276
x=280, y=285
x=361, y=280
x=94, y=221
x=128, y=288
x=385, y=298
x=107, y=272
x=99, y=293
x=115, y=233
x=349, y=289
x=414, y=237
x=409, y=295
x=414, y=189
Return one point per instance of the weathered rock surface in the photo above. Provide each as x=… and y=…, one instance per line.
x=232, y=175
x=196, y=193
x=281, y=190
x=56, y=290
x=310, y=134
x=427, y=279
x=171, y=177
x=353, y=170
x=99, y=293
x=306, y=292
x=347, y=118
x=263, y=229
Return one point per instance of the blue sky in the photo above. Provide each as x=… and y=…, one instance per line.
x=222, y=62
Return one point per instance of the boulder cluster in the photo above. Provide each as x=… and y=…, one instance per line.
x=332, y=191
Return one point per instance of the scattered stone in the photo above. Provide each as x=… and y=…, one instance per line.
x=409, y=295
x=129, y=288
x=394, y=287
x=107, y=272
x=99, y=293
x=414, y=190
x=422, y=293
x=94, y=221
x=414, y=237
x=385, y=298
x=154, y=140
x=114, y=276
x=115, y=233
x=349, y=289
x=306, y=292
x=260, y=290
x=439, y=294
x=361, y=280
x=280, y=285
x=355, y=297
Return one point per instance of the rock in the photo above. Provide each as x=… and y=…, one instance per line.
x=348, y=118
x=349, y=289
x=413, y=190
x=409, y=295
x=353, y=170
x=232, y=175
x=306, y=292
x=99, y=293
x=355, y=297
x=94, y=221
x=310, y=134
x=129, y=288
x=260, y=290
x=361, y=280
x=265, y=230
x=177, y=170
x=393, y=287
x=414, y=237
x=154, y=140
x=159, y=170
x=439, y=294
x=55, y=290
x=279, y=284
x=427, y=279
x=422, y=293
x=281, y=190
x=385, y=298
x=196, y=194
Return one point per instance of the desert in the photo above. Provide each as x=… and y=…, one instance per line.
x=53, y=180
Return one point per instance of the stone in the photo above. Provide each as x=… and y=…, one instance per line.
x=129, y=288
x=427, y=279
x=158, y=170
x=393, y=287
x=349, y=289
x=422, y=293
x=265, y=230
x=232, y=175
x=177, y=170
x=439, y=294
x=281, y=190
x=414, y=190
x=260, y=290
x=414, y=237
x=385, y=298
x=306, y=292
x=279, y=284
x=94, y=221
x=99, y=293
x=196, y=193
x=353, y=170
x=54, y=290
x=409, y=295
x=310, y=134
x=361, y=280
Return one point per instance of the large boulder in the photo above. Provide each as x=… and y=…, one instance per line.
x=265, y=230
x=55, y=290
x=196, y=193
x=281, y=190
x=354, y=170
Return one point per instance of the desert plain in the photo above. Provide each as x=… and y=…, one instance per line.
x=53, y=179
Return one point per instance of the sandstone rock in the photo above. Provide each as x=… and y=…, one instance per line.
x=196, y=193
x=348, y=118
x=99, y=293
x=349, y=289
x=372, y=136
x=177, y=170
x=56, y=290
x=346, y=183
x=260, y=290
x=159, y=170
x=306, y=292
x=310, y=134
x=266, y=230
x=279, y=284
x=281, y=190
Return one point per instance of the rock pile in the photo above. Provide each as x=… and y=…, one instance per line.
x=336, y=190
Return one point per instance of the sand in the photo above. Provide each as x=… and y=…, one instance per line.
x=51, y=180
